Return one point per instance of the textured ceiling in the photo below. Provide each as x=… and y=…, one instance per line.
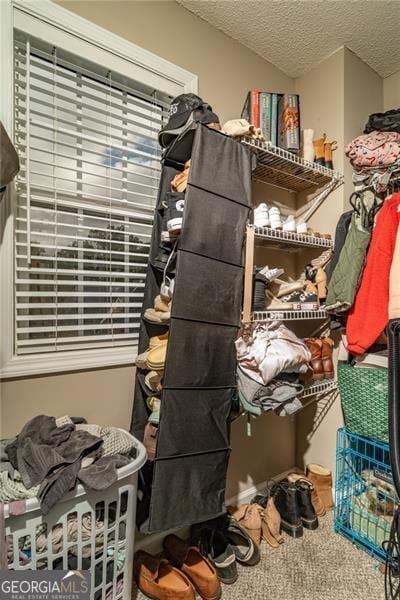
x=295, y=35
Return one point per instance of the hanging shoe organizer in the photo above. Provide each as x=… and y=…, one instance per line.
x=185, y=483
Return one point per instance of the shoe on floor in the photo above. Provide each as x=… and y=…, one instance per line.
x=249, y=518
x=216, y=547
x=194, y=565
x=307, y=511
x=315, y=499
x=245, y=549
x=261, y=216
x=159, y=580
x=270, y=519
x=321, y=479
x=287, y=505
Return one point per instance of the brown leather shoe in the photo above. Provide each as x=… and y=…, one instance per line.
x=159, y=580
x=321, y=478
x=315, y=499
x=195, y=566
x=326, y=355
x=315, y=347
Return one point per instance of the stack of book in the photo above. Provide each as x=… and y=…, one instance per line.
x=277, y=115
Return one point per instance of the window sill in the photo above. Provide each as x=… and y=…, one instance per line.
x=28, y=366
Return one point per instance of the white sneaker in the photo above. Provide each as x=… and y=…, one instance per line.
x=301, y=227
x=271, y=274
x=261, y=217
x=275, y=218
x=289, y=224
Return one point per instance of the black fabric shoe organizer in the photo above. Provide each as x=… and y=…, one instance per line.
x=185, y=483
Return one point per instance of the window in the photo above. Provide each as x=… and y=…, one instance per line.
x=84, y=200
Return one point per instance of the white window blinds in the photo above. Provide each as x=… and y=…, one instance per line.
x=87, y=141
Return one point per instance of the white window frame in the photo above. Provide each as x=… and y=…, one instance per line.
x=44, y=19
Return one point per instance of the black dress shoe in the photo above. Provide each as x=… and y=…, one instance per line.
x=287, y=504
x=307, y=511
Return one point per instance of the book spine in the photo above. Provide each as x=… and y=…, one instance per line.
x=246, y=108
x=263, y=113
x=255, y=108
x=274, y=119
x=268, y=117
x=288, y=123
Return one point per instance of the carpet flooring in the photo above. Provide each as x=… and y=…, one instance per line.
x=319, y=566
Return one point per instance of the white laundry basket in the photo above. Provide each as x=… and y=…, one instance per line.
x=66, y=539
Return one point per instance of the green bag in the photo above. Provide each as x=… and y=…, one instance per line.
x=364, y=395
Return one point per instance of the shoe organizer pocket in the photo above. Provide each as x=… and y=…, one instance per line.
x=194, y=421
x=213, y=226
x=200, y=355
x=140, y=412
x=221, y=165
x=188, y=489
x=167, y=175
x=207, y=290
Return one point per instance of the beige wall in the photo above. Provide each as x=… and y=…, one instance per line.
x=363, y=95
x=322, y=103
x=337, y=97
x=226, y=71
x=391, y=91
x=103, y=396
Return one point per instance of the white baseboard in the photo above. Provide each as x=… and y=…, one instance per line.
x=153, y=542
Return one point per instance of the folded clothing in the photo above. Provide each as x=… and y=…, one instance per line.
x=280, y=394
x=273, y=348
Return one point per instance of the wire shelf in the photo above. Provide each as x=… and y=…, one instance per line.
x=288, y=315
x=267, y=236
x=283, y=169
x=320, y=387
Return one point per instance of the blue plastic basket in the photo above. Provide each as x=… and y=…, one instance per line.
x=364, y=492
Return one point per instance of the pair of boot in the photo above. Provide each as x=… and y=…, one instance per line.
x=321, y=357
x=324, y=151
x=260, y=519
x=293, y=501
